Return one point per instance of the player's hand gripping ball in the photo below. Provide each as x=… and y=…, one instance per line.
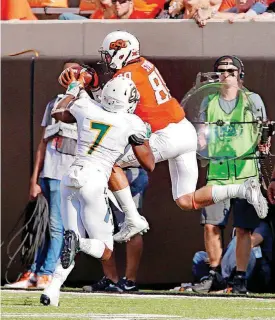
x=86, y=75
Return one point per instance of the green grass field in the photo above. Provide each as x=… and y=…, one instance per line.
x=25, y=305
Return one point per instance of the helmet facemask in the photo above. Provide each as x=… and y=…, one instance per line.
x=114, y=60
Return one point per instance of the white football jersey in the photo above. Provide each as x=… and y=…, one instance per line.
x=102, y=135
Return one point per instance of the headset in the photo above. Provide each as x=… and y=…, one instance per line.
x=217, y=63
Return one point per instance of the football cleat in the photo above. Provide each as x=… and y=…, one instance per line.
x=253, y=195
x=50, y=296
x=44, y=299
x=130, y=228
x=70, y=248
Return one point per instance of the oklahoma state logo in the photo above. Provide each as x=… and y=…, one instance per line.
x=116, y=45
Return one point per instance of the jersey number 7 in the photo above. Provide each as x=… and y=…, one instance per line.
x=101, y=130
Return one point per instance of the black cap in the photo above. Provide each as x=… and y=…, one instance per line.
x=235, y=62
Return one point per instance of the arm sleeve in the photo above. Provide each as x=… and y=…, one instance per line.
x=47, y=119
x=203, y=107
x=258, y=107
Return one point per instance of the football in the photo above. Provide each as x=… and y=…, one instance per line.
x=88, y=75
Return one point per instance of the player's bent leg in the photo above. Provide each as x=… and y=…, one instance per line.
x=184, y=175
x=134, y=222
x=118, y=184
x=74, y=229
x=249, y=190
x=196, y=200
x=118, y=179
x=96, y=217
x=95, y=248
x=70, y=210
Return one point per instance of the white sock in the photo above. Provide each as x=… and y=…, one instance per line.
x=93, y=247
x=125, y=199
x=60, y=275
x=220, y=193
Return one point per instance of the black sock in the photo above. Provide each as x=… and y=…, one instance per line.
x=241, y=273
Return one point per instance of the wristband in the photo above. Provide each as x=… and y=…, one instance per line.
x=272, y=180
x=74, y=88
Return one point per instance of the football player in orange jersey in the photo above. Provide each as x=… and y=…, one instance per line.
x=174, y=138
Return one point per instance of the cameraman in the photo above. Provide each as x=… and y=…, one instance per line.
x=231, y=104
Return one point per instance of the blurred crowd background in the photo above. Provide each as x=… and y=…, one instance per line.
x=199, y=10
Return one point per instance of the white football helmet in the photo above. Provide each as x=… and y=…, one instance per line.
x=118, y=49
x=120, y=95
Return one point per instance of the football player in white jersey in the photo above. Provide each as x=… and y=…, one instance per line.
x=104, y=132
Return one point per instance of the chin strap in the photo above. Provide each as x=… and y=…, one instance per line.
x=125, y=61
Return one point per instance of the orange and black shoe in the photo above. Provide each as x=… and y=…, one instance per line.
x=43, y=281
x=26, y=281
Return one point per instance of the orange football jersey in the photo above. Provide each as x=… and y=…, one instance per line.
x=156, y=105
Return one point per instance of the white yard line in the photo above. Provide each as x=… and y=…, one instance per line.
x=135, y=296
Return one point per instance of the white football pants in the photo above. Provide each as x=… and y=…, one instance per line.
x=84, y=204
x=176, y=143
